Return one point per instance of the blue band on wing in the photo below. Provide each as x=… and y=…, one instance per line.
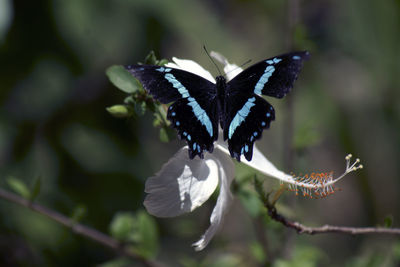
x=273, y=61
x=241, y=115
x=200, y=113
x=264, y=79
x=162, y=69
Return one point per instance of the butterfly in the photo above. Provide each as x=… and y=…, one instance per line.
x=199, y=106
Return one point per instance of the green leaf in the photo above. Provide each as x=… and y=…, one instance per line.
x=167, y=134
x=122, y=79
x=119, y=111
x=164, y=135
x=122, y=225
x=162, y=62
x=306, y=136
x=148, y=243
x=129, y=100
x=151, y=105
x=140, y=108
x=250, y=201
x=151, y=59
x=119, y=262
x=388, y=221
x=396, y=251
x=224, y=260
x=35, y=188
x=139, y=229
x=78, y=213
x=258, y=252
x=19, y=187
x=157, y=120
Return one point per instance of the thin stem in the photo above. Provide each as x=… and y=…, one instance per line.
x=303, y=229
x=78, y=228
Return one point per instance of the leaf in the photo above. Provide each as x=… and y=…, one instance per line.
x=396, y=250
x=122, y=225
x=19, y=187
x=35, y=188
x=167, y=134
x=78, y=213
x=224, y=260
x=305, y=137
x=148, y=243
x=123, y=80
x=119, y=111
x=139, y=229
x=119, y=262
x=151, y=58
x=157, y=120
x=162, y=62
x=388, y=221
x=129, y=100
x=140, y=108
x=257, y=252
x=250, y=201
x=164, y=135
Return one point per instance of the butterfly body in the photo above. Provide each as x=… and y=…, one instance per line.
x=199, y=105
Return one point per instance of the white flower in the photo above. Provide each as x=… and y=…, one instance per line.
x=182, y=184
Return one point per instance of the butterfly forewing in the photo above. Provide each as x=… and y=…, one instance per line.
x=194, y=112
x=271, y=77
x=248, y=113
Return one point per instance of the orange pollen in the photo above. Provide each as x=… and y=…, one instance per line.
x=314, y=185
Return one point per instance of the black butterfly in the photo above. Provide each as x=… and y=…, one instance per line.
x=199, y=105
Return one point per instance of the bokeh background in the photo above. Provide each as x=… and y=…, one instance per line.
x=54, y=125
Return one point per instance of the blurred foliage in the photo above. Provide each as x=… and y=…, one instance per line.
x=60, y=146
x=139, y=229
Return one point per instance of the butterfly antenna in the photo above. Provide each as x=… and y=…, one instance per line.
x=245, y=63
x=205, y=49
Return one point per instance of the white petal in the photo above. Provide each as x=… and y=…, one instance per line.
x=226, y=170
x=181, y=185
x=191, y=66
x=231, y=70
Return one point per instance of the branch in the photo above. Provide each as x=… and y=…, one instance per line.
x=78, y=228
x=302, y=229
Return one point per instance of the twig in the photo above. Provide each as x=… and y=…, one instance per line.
x=302, y=229
x=78, y=228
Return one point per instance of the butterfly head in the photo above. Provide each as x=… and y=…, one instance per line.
x=220, y=79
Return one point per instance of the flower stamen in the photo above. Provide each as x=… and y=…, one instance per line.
x=320, y=184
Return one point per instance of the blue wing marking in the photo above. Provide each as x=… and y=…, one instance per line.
x=200, y=113
x=264, y=79
x=241, y=116
x=162, y=69
x=273, y=61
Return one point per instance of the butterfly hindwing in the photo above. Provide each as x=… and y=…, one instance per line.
x=248, y=113
x=200, y=134
x=245, y=121
x=194, y=110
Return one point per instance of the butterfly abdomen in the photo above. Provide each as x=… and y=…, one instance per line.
x=221, y=91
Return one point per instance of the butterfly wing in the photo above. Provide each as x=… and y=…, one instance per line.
x=248, y=114
x=194, y=111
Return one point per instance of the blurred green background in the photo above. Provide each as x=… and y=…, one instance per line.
x=53, y=125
